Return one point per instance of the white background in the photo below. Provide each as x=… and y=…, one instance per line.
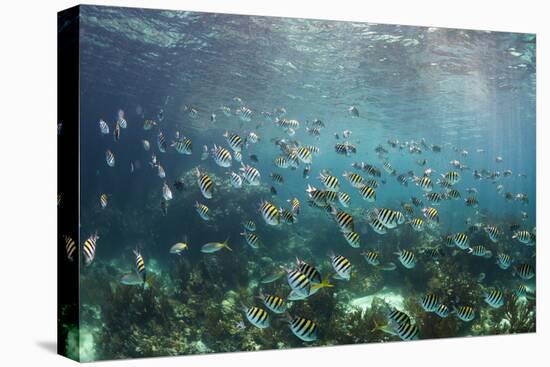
x=28, y=182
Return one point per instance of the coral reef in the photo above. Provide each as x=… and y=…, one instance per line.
x=193, y=303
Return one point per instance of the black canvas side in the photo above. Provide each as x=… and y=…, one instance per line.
x=68, y=182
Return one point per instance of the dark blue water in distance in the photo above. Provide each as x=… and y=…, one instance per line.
x=471, y=93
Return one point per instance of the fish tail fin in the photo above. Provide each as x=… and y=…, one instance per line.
x=287, y=316
x=324, y=284
x=376, y=326
x=226, y=244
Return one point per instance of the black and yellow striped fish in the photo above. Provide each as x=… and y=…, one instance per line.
x=295, y=205
x=206, y=185
x=504, y=261
x=103, y=200
x=355, y=179
x=424, y=182
x=89, y=248
x=183, y=146
x=493, y=232
x=399, y=317
x=521, y=290
x=161, y=142
x=288, y=216
x=257, y=316
x=407, y=258
x=275, y=303
x=281, y=162
x=371, y=170
x=449, y=240
x=433, y=197
x=471, y=201
x=353, y=239
x=453, y=194
x=452, y=177
x=140, y=266
x=377, y=225
x=368, y=193
x=480, y=251
x=331, y=182
x=309, y=271
x=525, y=271
x=430, y=302
x=293, y=160
x=343, y=219
x=372, y=182
x=304, y=155
x=221, y=156
x=299, y=282
x=388, y=168
x=110, y=158
x=317, y=196
x=442, y=310
x=341, y=266
x=313, y=149
x=234, y=141
x=389, y=218
x=270, y=213
x=278, y=178
x=408, y=331
x=249, y=225
x=245, y=114
x=462, y=240
x=70, y=247
x=372, y=257
x=330, y=196
x=344, y=199
x=250, y=174
x=304, y=329
x=251, y=238
x=494, y=298
x=431, y=214
x=408, y=208
x=202, y=210
x=417, y=224
x=465, y=313
x=523, y=236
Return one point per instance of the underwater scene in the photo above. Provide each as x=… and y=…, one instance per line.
x=251, y=183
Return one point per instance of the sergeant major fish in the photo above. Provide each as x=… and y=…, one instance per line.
x=206, y=185
x=140, y=266
x=89, y=248
x=257, y=316
x=341, y=266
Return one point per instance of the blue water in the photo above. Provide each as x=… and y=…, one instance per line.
x=459, y=89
